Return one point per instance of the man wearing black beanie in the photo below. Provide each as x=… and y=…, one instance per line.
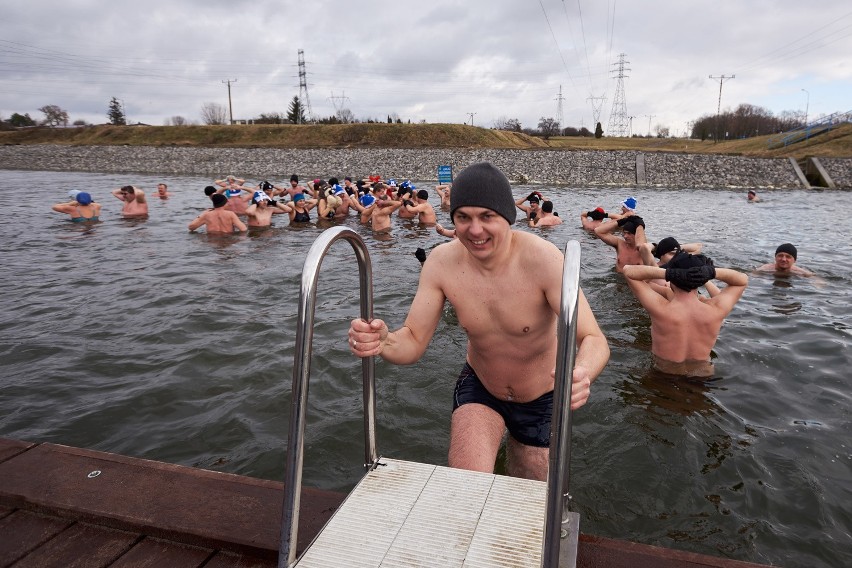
x=684, y=327
x=506, y=289
x=785, y=262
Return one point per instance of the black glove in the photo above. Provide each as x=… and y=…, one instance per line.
x=622, y=221
x=421, y=255
x=410, y=204
x=638, y=220
x=531, y=195
x=532, y=215
x=556, y=213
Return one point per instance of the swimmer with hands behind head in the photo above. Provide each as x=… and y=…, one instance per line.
x=506, y=287
x=684, y=328
x=135, y=204
x=218, y=220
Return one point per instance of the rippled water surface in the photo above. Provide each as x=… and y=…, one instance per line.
x=140, y=338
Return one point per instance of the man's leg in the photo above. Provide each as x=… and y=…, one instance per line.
x=476, y=432
x=529, y=462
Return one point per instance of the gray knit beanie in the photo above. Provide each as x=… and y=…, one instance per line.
x=483, y=185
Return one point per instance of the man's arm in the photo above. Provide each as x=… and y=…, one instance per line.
x=63, y=207
x=117, y=194
x=237, y=223
x=646, y=254
x=407, y=344
x=692, y=248
x=730, y=295
x=251, y=210
x=140, y=195
x=520, y=203
x=604, y=233
x=198, y=221
x=592, y=347
x=637, y=275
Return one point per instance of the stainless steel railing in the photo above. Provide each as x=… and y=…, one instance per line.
x=302, y=372
x=556, y=507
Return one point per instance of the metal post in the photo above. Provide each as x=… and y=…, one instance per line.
x=302, y=372
x=556, y=507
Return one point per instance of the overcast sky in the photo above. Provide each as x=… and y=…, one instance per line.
x=436, y=61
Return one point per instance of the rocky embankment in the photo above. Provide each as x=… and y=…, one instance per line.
x=556, y=167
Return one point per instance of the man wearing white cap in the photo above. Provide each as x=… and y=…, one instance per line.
x=262, y=209
x=506, y=289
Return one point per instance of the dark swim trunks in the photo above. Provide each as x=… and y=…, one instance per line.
x=527, y=422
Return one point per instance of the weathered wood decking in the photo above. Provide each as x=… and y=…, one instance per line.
x=143, y=513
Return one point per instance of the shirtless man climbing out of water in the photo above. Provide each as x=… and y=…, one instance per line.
x=684, y=328
x=506, y=289
x=135, y=204
x=218, y=220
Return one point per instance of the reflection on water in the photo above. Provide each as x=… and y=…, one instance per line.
x=137, y=337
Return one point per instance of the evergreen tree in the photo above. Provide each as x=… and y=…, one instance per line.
x=115, y=114
x=296, y=112
x=598, y=131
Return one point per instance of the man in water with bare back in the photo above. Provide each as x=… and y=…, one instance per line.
x=684, y=328
x=135, y=204
x=218, y=220
x=425, y=211
x=163, y=191
x=506, y=289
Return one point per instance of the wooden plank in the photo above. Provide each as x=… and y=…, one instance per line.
x=204, y=508
x=22, y=531
x=156, y=553
x=230, y=560
x=11, y=448
x=80, y=546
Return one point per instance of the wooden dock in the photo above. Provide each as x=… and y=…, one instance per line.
x=67, y=507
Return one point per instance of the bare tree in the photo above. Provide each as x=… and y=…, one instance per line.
x=512, y=124
x=214, y=113
x=178, y=121
x=548, y=127
x=345, y=116
x=54, y=116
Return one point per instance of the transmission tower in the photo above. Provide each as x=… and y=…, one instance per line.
x=597, y=107
x=618, y=116
x=305, y=101
x=339, y=101
x=559, y=100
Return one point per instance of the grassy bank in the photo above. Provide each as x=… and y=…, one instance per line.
x=837, y=143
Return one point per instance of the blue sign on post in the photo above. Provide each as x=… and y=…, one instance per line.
x=445, y=174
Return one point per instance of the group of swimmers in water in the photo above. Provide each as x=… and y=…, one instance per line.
x=507, y=379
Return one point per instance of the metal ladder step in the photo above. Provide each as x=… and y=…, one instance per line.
x=407, y=514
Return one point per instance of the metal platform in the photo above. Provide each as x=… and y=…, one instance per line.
x=412, y=514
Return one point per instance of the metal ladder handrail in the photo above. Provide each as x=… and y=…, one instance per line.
x=559, y=462
x=302, y=372
x=556, y=506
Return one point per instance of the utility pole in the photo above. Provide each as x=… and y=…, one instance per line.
x=722, y=79
x=559, y=100
x=650, y=116
x=230, y=108
x=471, y=117
x=807, y=104
x=630, y=127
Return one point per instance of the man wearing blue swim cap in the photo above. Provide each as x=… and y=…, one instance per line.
x=506, y=289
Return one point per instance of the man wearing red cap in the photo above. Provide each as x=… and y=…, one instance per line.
x=506, y=289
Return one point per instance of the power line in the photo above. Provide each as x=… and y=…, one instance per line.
x=565, y=65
